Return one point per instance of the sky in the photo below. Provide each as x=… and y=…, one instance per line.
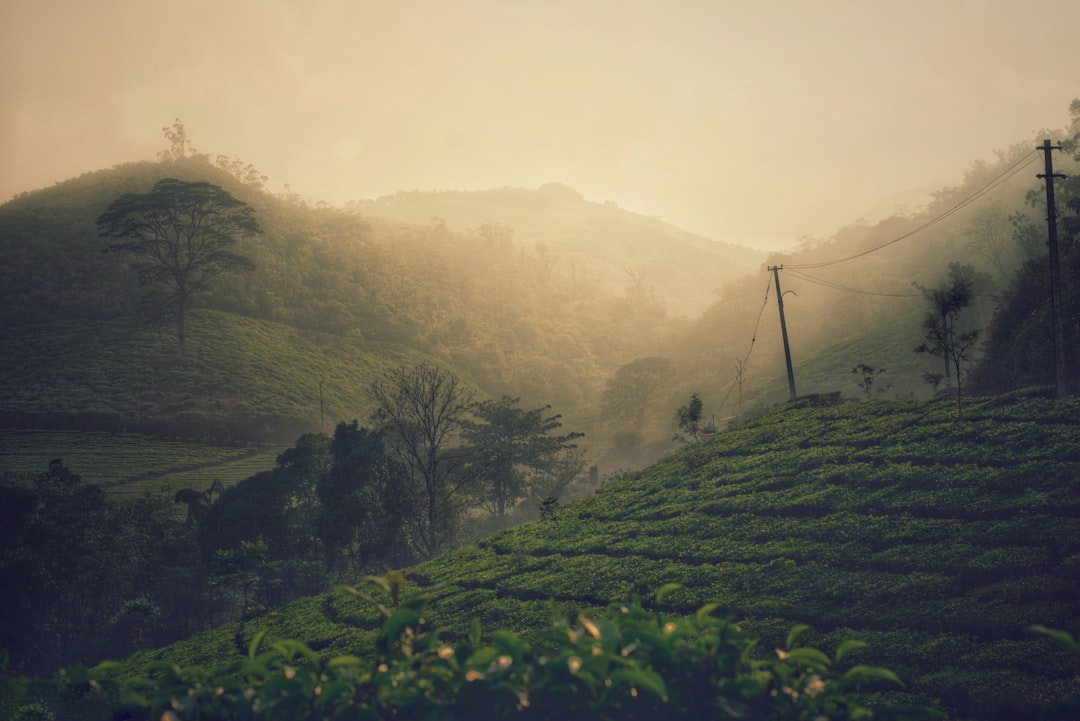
x=755, y=122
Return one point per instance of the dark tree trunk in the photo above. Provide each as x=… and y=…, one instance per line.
x=181, y=315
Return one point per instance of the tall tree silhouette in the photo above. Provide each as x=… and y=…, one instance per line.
x=181, y=232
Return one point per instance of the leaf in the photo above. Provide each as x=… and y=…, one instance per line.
x=253, y=647
x=509, y=643
x=706, y=611
x=346, y=660
x=398, y=621
x=665, y=590
x=106, y=667
x=796, y=631
x=848, y=646
x=331, y=692
x=609, y=634
x=641, y=678
x=290, y=649
x=859, y=675
x=808, y=657
x=77, y=675
x=1057, y=634
x=474, y=631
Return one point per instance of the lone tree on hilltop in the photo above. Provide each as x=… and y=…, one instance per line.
x=182, y=232
x=179, y=143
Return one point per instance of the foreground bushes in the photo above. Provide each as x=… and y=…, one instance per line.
x=632, y=664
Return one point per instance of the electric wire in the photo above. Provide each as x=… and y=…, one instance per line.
x=1012, y=170
x=753, y=339
x=837, y=286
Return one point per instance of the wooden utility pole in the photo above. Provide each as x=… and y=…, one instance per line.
x=1055, y=268
x=783, y=328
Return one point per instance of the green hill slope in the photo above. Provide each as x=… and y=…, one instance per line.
x=938, y=541
x=334, y=297
x=242, y=377
x=129, y=465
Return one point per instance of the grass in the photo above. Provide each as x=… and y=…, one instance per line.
x=936, y=540
x=130, y=465
x=235, y=368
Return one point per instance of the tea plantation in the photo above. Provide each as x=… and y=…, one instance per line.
x=936, y=540
x=128, y=465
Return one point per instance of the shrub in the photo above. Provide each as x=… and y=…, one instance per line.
x=633, y=663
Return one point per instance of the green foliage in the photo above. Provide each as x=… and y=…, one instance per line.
x=633, y=389
x=935, y=542
x=943, y=339
x=365, y=501
x=626, y=663
x=244, y=568
x=688, y=419
x=128, y=465
x=333, y=296
x=514, y=455
x=181, y=232
x=422, y=411
x=87, y=576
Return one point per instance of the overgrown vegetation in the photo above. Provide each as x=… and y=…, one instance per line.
x=629, y=663
x=936, y=541
x=939, y=540
x=330, y=508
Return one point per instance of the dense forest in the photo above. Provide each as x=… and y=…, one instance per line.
x=445, y=364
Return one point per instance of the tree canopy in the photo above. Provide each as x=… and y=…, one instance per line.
x=422, y=411
x=182, y=232
x=515, y=455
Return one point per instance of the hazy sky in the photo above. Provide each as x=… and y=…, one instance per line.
x=753, y=122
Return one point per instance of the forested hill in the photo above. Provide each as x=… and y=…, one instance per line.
x=538, y=294
x=935, y=540
x=546, y=313
x=614, y=246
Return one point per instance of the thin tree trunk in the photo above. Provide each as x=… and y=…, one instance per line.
x=181, y=312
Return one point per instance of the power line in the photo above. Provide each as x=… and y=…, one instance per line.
x=1012, y=170
x=837, y=286
x=753, y=339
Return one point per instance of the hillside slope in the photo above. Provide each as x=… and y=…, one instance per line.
x=614, y=246
x=242, y=378
x=936, y=540
x=333, y=297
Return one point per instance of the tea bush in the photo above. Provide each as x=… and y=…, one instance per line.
x=630, y=663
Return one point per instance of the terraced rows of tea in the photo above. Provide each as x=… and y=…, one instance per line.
x=936, y=540
x=130, y=465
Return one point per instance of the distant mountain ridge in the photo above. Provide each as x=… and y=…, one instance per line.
x=621, y=247
x=536, y=293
